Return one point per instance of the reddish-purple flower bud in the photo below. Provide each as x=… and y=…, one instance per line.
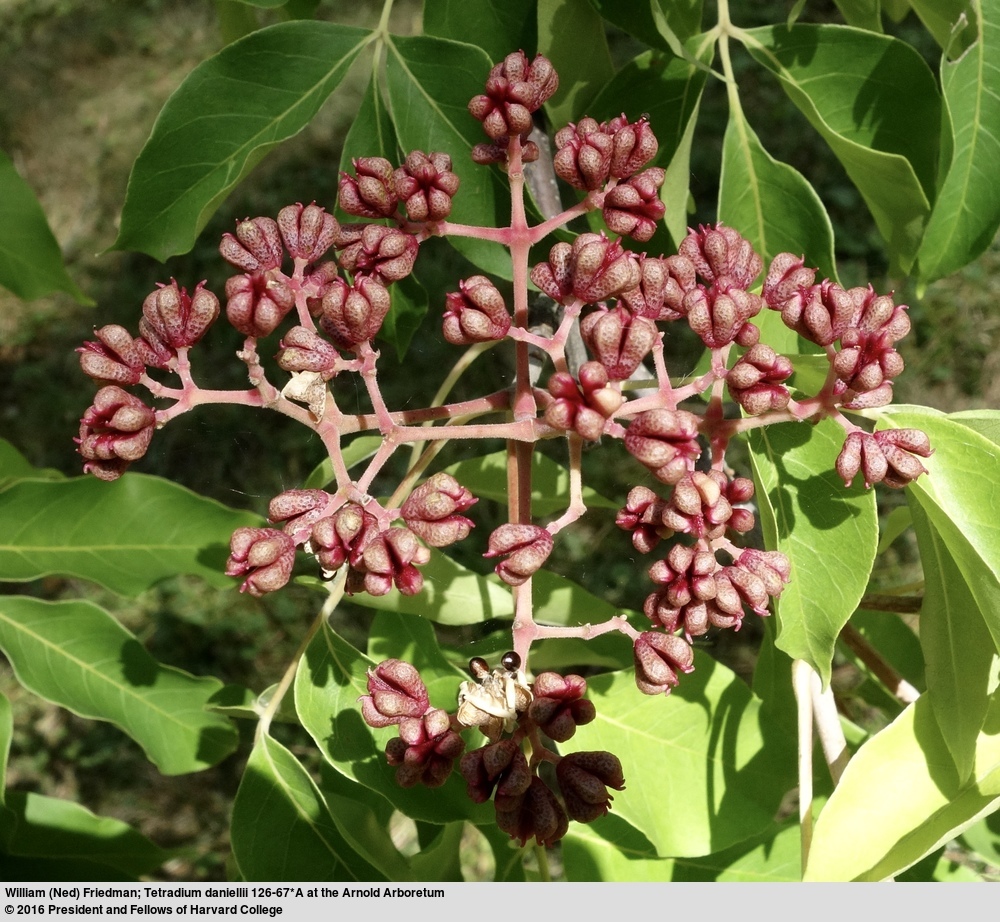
x=534, y=814
x=756, y=381
x=433, y=511
x=722, y=256
x=555, y=277
x=499, y=765
x=618, y=339
x=392, y=557
x=633, y=146
x=265, y=556
x=302, y=349
x=773, y=567
x=343, y=536
x=353, y=314
x=583, y=407
x=179, y=319
x=641, y=516
x=115, y=358
x=384, y=253
x=558, y=705
x=425, y=750
x=787, y=278
x=525, y=547
x=584, y=779
x=297, y=511
x=601, y=269
x=721, y=316
x=514, y=89
x=633, y=208
x=256, y=246
x=886, y=456
x=665, y=441
x=395, y=691
x=115, y=431
x=658, y=658
x=864, y=363
x=583, y=156
x=308, y=231
x=476, y=313
x=371, y=194
x=820, y=313
x=256, y=303
x=699, y=505
x=426, y=184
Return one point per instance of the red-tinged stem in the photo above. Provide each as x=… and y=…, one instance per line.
x=577, y=507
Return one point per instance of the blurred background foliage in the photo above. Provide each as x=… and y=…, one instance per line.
x=82, y=85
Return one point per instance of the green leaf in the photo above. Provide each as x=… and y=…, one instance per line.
x=958, y=497
x=637, y=17
x=864, y=14
x=983, y=838
x=875, y=102
x=442, y=858
x=125, y=535
x=360, y=449
x=951, y=22
x=486, y=477
x=497, y=28
x=77, y=656
x=430, y=82
x=371, y=134
x=409, y=306
x=31, y=263
x=770, y=203
x=702, y=770
x=967, y=211
x=227, y=114
x=452, y=594
x=14, y=466
x=282, y=828
x=47, y=827
x=894, y=525
x=571, y=34
x=612, y=849
x=903, y=789
x=985, y=422
x=6, y=735
x=828, y=531
x=331, y=677
x=960, y=655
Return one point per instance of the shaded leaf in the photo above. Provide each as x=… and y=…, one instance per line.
x=903, y=787
x=282, y=828
x=371, y=135
x=497, y=28
x=861, y=13
x=217, y=126
x=875, y=102
x=637, y=17
x=430, y=82
x=77, y=656
x=951, y=22
x=14, y=466
x=47, y=827
x=31, y=263
x=125, y=535
x=409, y=306
x=771, y=203
x=967, y=212
x=828, y=531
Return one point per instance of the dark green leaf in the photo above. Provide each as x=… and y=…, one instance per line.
x=125, y=535
x=828, y=531
x=770, y=203
x=230, y=111
x=637, y=18
x=861, y=13
x=497, y=28
x=47, y=827
x=31, y=263
x=430, y=82
x=371, y=135
x=571, y=35
x=14, y=466
x=967, y=211
x=409, y=306
x=876, y=104
x=76, y=655
x=282, y=828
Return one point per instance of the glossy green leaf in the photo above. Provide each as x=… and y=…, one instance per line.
x=960, y=655
x=612, y=849
x=967, y=211
x=497, y=28
x=228, y=113
x=983, y=837
x=903, y=789
x=76, y=655
x=282, y=828
x=430, y=82
x=702, y=770
x=571, y=34
x=125, y=535
x=371, y=135
x=14, y=466
x=985, y=422
x=861, y=13
x=875, y=102
x=637, y=17
x=897, y=522
x=331, y=677
x=959, y=499
x=951, y=22
x=47, y=827
x=31, y=263
x=486, y=477
x=452, y=594
x=409, y=307
x=828, y=531
x=771, y=203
